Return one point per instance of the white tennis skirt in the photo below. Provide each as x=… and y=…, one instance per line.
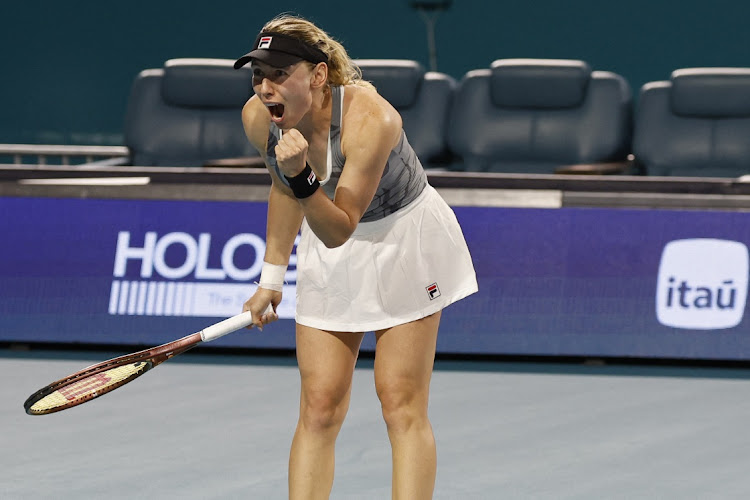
x=392, y=271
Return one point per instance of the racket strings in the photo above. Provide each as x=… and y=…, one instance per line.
x=89, y=387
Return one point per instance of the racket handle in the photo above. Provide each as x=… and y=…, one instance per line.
x=229, y=325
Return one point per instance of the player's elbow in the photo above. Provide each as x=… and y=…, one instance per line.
x=333, y=234
x=333, y=244
x=336, y=237
x=334, y=241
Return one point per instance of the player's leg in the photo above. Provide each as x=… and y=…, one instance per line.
x=326, y=363
x=404, y=359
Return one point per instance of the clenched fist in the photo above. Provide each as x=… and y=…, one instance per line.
x=291, y=153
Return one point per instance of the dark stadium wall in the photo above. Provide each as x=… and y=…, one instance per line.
x=68, y=66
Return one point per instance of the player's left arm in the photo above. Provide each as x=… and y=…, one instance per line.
x=371, y=128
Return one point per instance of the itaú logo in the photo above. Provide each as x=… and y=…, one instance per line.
x=702, y=284
x=179, y=274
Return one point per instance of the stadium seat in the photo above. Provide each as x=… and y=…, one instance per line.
x=697, y=124
x=421, y=97
x=541, y=116
x=188, y=114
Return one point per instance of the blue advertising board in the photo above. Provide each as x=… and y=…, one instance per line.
x=553, y=282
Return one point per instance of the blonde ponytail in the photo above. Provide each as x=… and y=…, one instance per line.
x=341, y=68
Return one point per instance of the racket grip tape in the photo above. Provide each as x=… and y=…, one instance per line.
x=229, y=325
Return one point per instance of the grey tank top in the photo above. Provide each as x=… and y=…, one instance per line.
x=402, y=181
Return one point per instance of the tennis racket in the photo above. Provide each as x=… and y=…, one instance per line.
x=104, y=377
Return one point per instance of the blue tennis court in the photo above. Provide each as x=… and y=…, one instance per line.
x=210, y=426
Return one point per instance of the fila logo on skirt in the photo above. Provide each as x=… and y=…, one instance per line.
x=433, y=291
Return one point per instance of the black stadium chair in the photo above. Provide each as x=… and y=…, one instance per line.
x=697, y=124
x=541, y=116
x=188, y=114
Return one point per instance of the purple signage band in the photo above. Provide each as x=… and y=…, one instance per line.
x=553, y=282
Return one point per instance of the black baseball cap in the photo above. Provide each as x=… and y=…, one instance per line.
x=281, y=51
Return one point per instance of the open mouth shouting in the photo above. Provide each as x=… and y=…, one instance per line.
x=276, y=110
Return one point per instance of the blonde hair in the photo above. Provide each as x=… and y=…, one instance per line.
x=341, y=68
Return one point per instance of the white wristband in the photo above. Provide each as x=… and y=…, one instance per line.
x=272, y=277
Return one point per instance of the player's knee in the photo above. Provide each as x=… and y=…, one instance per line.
x=323, y=411
x=401, y=408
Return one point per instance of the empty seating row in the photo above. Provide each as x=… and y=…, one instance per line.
x=187, y=114
x=517, y=116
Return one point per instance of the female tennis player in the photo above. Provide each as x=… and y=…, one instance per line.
x=379, y=250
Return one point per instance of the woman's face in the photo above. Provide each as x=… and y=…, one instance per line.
x=285, y=91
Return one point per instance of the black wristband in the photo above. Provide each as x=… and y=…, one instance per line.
x=303, y=184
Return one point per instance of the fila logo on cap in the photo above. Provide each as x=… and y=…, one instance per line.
x=265, y=42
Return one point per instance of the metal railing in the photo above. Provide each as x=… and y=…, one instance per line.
x=46, y=154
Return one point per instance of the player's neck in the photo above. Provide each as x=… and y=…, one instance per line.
x=317, y=121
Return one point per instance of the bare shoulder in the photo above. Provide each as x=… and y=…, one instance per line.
x=368, y=115
x=256, y=121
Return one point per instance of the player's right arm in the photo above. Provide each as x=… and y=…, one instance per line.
x=284, y=212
